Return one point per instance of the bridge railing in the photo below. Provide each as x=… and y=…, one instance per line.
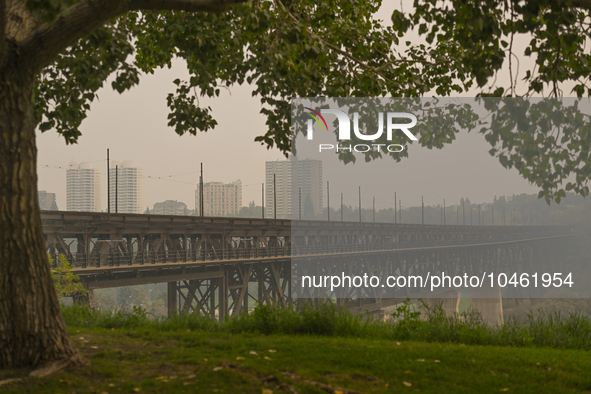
x=310, y=249
x=117, y=258
x=113, y=256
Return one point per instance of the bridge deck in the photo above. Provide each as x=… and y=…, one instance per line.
x=136, y=274
x=213, y=264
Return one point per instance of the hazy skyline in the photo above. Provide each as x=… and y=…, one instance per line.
x=133, y=126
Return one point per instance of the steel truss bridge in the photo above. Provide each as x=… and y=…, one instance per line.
x=221, y=266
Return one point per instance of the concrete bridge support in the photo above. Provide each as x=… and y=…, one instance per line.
x=85, y=299
x=449, y=301
x=488, y=302
x=172, y=299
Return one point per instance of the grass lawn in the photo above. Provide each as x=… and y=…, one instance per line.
x=146, y=360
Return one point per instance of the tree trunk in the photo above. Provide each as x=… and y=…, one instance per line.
x=32, y=329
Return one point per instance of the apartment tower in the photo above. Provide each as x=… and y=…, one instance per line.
x=83, y=188
x=298, y=184
x=127, y=195
x=220, y=199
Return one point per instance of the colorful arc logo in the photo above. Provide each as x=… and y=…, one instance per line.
x=317, y=115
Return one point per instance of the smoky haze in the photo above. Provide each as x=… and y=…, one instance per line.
x=134, y=127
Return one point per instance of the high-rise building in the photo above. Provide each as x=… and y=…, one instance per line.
x=278, y=184
x=293, y=178
x=47, y=201
x=220, y=199
x=127, y=195
x=170, y=207
x=83, y=188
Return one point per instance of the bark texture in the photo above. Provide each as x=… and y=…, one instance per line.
x=32, y=329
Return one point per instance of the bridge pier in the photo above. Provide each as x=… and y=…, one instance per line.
x=223, y=302
x=489, y=304
x=172, y=299
x=449, y=301
x=84, y=299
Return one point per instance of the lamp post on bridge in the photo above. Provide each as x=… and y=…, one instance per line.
x=328, y=199
x=300, y=201
x=422, y=211
x=116, y=189
x=395, y=221
x=202, y=199
x=359, y=204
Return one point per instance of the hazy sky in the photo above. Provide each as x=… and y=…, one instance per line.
x=462, y=169
x=134, y=127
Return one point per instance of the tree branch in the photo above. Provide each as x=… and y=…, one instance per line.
x=45, y=42
x=586, y=4
x=183, y=5
x=3, y=44
x=350, y=56
x=40, y=47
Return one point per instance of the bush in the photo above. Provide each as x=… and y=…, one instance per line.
x=65, y=281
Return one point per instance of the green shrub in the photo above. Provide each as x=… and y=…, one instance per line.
x=65, y=281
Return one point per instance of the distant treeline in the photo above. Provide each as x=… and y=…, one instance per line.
x=522, y=209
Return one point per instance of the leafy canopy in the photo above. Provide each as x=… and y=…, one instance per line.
x=291, y=48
